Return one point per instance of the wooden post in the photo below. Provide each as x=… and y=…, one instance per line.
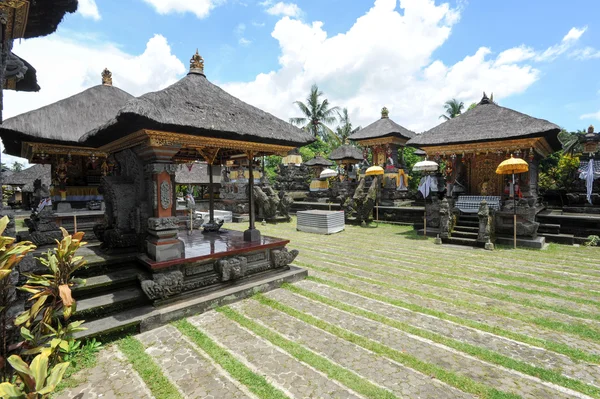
x=515, y=231
x=211, y=200
x=425, y=222
x=74, y=223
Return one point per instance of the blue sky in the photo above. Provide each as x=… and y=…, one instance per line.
x=538, y=57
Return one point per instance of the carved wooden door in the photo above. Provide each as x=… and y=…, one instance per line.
x=484, y=180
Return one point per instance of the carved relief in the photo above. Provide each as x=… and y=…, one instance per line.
x=165, y=194
x=232, y=268
x=163, y=285
x=159, y=224
x=282, y=257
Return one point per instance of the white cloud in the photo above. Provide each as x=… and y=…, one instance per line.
x=240, y=29
x=586, y=53
x=244, y=42
x=258, y=24
x=515, y=54
x=88, y=9
x=284, y=9
x=359, y=70
x=200, y=8
x=567, y=42
x=593, y=115
x=66, y=67
x=574, y=34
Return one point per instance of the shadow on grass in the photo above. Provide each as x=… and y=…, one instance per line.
x=412, y=235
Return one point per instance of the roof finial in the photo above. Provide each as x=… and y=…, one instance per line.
x=385, y=113
x=591, y=129
x=106, y=77
x=485, y=99
x=197, y=64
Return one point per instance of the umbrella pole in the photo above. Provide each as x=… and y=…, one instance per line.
x=514, y=212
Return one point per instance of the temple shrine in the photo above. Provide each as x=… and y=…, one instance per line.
x=469, y=148
x=385, y=139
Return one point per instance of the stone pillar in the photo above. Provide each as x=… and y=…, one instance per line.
x=252, y=234
x=162, y=243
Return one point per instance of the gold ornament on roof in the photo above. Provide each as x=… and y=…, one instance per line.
x=385, y=113
x=106, y=77
x=197, y=62
x=591, y=129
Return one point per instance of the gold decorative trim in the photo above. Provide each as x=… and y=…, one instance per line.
x=17, y=13
x=539, y=144
x=29, y=149
x=159, y=138
x=381, y=140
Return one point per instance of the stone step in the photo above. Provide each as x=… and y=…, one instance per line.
x=105, y=303
x=191, y=370
x=464, y=234
x=549, y=228
x=568, y=239
x=524, y=352
x=125, y=322
x=109, y=281
x=111, y=377
x=401, y=380
x=468, y=223
x=469, y=217
x=425, y=350
x=281, y=369
x=470, y=229
x=471, y=242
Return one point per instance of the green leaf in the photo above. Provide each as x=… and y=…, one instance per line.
x=26, y=334
x=57, y=373
x=39, y=367
x=8, y=390
x=19, y=365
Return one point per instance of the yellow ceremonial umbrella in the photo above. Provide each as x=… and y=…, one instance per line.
x=512, y=166
x=375, y=171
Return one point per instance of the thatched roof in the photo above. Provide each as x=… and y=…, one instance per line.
x=197, y=175
x=488, y=122
x=197, y=107
x=27, y=176
x=346, y=152
x=20, y=69
x=45, y=15
x=384, y=127
x=66, y=120
x=420, y=152
x=318, y=161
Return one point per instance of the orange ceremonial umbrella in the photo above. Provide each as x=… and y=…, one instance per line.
x=512, y=166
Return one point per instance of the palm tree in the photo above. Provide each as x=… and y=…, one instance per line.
x=344, y=130
x=317, y=115
x=453, y=109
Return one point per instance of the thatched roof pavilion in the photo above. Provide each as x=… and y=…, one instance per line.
x=486, y=123
x=346, y=153
x=380, y=130
x=26, y=177
x=318, y=161
x=59, y=126
x=195, y=107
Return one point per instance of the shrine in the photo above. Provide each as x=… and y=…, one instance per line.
x=319, y=188
x=190, y=120
x=470, y=147
x=384, y=139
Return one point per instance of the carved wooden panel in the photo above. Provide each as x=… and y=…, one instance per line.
x=483, y=177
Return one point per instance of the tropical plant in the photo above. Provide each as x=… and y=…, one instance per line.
x=344, y=130
x=52, y=295
x=473, y=105
x=11, y=254
x=453, y=109
x=17, y=167
x=35, y=380
x=317, y=115
x=592, y=241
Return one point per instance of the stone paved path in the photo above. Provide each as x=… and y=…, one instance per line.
x=384, y=315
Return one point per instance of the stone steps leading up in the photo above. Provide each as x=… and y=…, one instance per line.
x=468, y=229
x=464, y=234
x=117, y=279
x=109, y=302
x=568, y=239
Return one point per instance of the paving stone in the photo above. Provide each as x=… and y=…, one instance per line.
x=490, y=319
x=533, y=355
x=283, y=370
x=401, y=380
x=428, y=351
x=190, y=371
x=112, y=377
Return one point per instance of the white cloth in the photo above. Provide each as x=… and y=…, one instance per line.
x=425, y=185
x=190, y=199
x=44, y=203
x=589, y=175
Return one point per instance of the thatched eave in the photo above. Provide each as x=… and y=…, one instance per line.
x=45, y=15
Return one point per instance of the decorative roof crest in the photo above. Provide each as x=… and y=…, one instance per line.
x=385, y=113
x=197, y=64
x=106, y=77
x=591, y=129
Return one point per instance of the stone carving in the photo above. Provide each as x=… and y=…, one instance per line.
x=42, y=226
x=282, y=257
x=292, y=178
x=163, y=285
x=445, y=216
x=432, y=210
x=285, y=203
x=232, y=268
x=266, y=203
x=158, y=168
x=213, y=227
x=165, y=194
x=154, y=195
x=360, y=206
x=159, y=224
x=484, y=222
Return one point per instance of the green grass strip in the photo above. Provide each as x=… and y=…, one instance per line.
x=573, y=353
x=257, y=384
x=459, y=381
x=332, y=370
x=578, y=329
x=150, y=372
x=481, y=353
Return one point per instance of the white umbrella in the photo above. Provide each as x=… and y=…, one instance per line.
x=426, y=166
x=328, y=173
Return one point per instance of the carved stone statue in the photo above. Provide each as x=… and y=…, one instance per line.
x=232, y=269
x=163, y=285
x=285, y=203
x=42, y=226
x=360, y=206
x=484, y=222
x=445, y=216
x=283, y=257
